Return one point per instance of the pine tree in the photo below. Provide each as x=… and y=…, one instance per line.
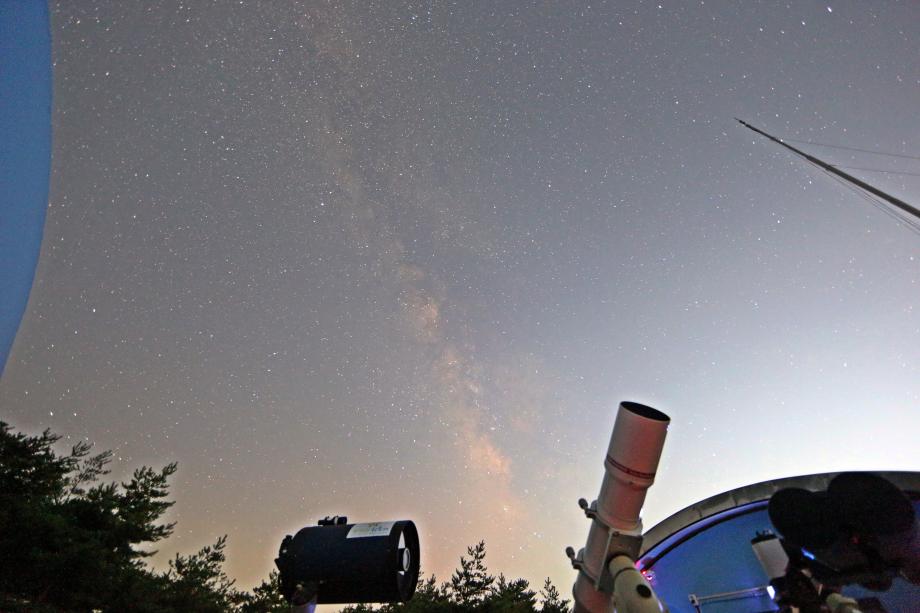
x=513, y=596
x=70, y=543
x=470, y=584
x=265, y=597
x=552, y=602
x=198, y=583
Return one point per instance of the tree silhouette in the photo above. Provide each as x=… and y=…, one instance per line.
x=513, y=596
x=265, y=597
x=198, y=583
x=72, y=544
x=471, y=583
x=69, y=542
x=465, y=592
x=552, y=602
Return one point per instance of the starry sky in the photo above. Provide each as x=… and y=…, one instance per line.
x=402, y=260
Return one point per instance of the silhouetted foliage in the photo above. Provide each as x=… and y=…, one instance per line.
x=71, y=543
x=472, y=588
x=513, y=596
x=198, y=583
x=552, y=602
x=471, y=583
x=265, y=597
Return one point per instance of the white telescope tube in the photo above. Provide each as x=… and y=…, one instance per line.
x=589, y=600
x=631, y=591
x=631, y=462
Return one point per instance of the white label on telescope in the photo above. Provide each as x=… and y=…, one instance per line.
x=380, y=528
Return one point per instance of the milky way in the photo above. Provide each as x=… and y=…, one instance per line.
x=399, y=260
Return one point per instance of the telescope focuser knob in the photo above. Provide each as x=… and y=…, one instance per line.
x=589, y=509
x=577, y=563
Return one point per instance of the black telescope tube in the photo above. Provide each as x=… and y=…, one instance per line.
x=352, y=563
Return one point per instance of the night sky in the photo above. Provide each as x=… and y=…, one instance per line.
x=402, y=260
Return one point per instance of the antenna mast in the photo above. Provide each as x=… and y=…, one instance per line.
x=836, y=171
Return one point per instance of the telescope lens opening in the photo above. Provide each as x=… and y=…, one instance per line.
x=644, y=411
